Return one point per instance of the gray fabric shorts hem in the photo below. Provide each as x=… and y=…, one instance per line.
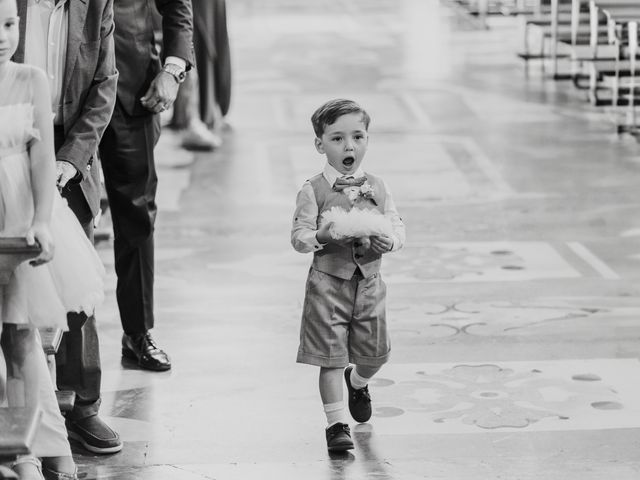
x=342, y=362
x=319, y=361
x=370, y=361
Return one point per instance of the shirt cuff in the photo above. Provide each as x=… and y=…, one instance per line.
x=315, y=244
x=176, y=61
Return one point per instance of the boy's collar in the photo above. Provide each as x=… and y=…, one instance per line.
x=331, y=174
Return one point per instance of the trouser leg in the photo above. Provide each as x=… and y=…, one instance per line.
x=131, y=181
x=78, y=358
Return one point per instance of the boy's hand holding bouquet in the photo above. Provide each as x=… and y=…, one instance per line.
x=367, y=228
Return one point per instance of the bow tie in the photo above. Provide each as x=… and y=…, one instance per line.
x=345, y=182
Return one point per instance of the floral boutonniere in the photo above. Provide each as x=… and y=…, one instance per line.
x=363, y=192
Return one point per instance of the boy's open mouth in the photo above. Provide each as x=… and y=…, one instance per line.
x=348, y=161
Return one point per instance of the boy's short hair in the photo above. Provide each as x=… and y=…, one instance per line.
x=328, y=113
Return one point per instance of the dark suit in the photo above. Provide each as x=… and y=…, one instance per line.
x=87, y=99
x=127, y=148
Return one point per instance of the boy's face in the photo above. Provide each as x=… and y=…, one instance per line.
x=344, y=143
x=8, y=30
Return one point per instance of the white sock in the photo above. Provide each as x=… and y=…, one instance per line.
x=357, y=381
x=334, y=412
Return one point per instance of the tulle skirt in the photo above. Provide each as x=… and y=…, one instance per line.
x=72, y=282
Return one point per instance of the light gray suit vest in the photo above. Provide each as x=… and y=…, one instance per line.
x=337, y=260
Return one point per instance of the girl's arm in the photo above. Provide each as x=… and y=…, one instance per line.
x=42, y=167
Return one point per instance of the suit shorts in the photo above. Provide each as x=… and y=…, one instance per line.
x=344, y=321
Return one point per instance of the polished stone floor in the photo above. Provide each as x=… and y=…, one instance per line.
x=514, y=306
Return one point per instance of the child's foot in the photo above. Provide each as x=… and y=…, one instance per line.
x=50, y=474
x=359, y=399
x=28, y=467
x=339, y=437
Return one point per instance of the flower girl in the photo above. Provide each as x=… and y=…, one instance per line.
x=66, y=276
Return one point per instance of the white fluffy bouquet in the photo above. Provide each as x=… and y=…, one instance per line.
x=356, y=223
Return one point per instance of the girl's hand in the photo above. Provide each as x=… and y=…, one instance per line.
x=39, y=232
x=381, y=244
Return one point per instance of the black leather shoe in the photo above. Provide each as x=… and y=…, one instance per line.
x=143, y=348
x=339, y=437
x=359, y=399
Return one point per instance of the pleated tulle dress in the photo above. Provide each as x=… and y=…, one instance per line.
x=72, y=282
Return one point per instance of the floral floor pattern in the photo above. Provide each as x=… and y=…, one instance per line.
x=534, y=396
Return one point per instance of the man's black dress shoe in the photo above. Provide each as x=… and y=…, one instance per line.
x=143, y=348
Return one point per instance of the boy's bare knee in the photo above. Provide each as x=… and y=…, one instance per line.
x=367, y=371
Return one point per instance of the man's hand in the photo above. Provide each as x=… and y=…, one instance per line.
x=64, y=172
x=381, y=244
x=161, y=94
x=40, y=232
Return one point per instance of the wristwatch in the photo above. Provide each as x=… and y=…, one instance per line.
x=174, y=70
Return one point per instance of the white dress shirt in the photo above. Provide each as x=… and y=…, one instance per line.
x=46, y=44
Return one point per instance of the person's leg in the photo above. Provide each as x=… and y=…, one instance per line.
x=78, y=357
x=19, y=347
x=130, y=181
x=337, y=433
x=330, y=383
x=20, y=350
x=31, y=386
x=51, y=442
x=3, y=364
x=204, y=49
x=78, y=365
x=369, y=344
x=78, y=369
x=361, y=375
x=194, y=134
x=323, y=342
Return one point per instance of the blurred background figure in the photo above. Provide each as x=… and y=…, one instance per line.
x=205, y=97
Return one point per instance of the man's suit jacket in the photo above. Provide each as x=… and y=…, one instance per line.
x=88, y=88
x=137, y=57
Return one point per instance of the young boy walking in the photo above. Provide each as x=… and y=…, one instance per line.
x=343, y=318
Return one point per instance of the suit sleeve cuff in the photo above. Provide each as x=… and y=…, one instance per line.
x=176, y=61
